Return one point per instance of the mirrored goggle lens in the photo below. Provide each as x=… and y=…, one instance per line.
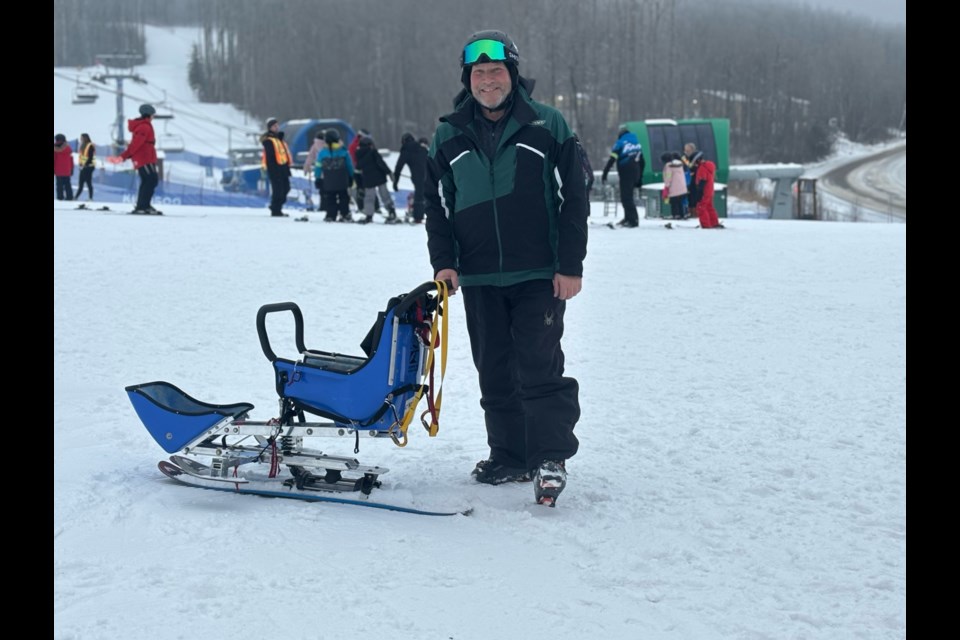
x=495, y=51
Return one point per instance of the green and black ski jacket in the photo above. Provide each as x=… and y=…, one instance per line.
x=522, y=216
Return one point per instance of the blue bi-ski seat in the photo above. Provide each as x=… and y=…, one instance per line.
x=370, y=392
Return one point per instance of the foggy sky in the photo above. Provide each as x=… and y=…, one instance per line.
x=887, y=11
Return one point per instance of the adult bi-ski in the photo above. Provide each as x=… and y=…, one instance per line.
x=306, y=487
x=321, y=394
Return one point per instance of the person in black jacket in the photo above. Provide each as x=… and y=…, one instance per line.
x=277, y=161
x=414, y=155
x=374, y=173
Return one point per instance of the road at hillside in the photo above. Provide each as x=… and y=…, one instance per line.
x=877, y=182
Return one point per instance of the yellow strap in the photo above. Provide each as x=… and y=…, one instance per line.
x=442, y=295
x=439, y=315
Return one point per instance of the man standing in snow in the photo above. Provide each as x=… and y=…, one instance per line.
x=143, y=152
x=276, y=162
x=628, y=154
x=413, y=155
x=507, y=219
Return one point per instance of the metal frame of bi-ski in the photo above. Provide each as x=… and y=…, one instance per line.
x=355, y=396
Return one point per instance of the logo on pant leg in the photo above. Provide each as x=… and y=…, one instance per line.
x=548, y=318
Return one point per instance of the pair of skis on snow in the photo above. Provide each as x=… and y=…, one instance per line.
x=135, y=212
x=195, y=474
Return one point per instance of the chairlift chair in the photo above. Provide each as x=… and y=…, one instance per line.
x=85, y=94
x=169, y=141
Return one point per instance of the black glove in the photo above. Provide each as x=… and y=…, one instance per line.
x=395, y=187
x=603, y=178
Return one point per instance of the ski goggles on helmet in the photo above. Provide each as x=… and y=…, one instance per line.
x=494, y=50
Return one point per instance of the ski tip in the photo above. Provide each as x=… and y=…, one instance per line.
x=169, y=469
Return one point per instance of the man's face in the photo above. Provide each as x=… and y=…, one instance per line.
x=688, y=149
x=275, y=127
x=490, y=83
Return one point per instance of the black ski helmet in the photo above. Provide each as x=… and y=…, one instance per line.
x=482, y=46
x=59, y=138
x=331, y=136
x=147, y=110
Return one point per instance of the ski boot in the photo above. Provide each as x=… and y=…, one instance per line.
x=549, y=480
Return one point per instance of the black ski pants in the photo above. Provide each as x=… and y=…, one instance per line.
x=336, y=203
x=419, y=204
x=530, y=407
x=86, y=178
x=64, y=188
x=628, y=175
x=149, y=179
x=279, y=188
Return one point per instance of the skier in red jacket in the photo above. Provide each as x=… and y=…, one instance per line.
x=704, y=174
x=143, y=152
x=62, y=167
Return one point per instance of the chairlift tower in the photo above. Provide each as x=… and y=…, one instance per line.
x=119, y=67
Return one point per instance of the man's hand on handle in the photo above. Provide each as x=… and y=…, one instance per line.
x=450, y=275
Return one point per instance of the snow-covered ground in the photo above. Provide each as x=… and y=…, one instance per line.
x=742, y=472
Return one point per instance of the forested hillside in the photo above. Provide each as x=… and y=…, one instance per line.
x=787, y=78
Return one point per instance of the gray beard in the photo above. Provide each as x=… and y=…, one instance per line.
x=500, y=106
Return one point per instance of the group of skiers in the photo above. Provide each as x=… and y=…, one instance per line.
x=688, y=181
x=337, y=169
x=142, y=150
x=688, y=178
